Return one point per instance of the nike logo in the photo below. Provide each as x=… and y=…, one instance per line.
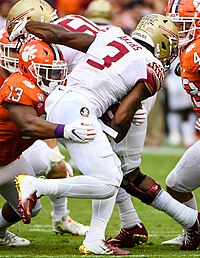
x=73, y=131
x=107, y=250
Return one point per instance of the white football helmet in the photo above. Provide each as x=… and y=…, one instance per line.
x=8, y=54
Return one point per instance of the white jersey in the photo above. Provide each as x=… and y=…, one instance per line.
x=75, y=23
x=113, y=65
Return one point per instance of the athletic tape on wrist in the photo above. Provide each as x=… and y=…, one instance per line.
x=59, y=131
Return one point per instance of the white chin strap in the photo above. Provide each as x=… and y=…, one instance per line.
x=52, y=86
x=47, y=89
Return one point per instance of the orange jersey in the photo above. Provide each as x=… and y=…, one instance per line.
x=190, y=72
x=17, y=89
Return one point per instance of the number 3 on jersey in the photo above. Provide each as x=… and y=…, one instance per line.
x=108, y=60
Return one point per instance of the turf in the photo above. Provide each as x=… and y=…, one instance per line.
x=45, y=243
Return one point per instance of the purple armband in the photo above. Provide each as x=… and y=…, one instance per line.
x=59, y=131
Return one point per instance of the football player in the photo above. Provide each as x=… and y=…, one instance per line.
x=110, y=54
x=130, y=222
x=133, y=231
x=41, y=10
x=23, y=101
x=45, y=161
x=184, y=178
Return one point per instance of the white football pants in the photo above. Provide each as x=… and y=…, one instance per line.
x=185, y=177
x=7, y=186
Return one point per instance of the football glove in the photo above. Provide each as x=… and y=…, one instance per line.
x=78, y=131
x=19, y=30
x=140, y=116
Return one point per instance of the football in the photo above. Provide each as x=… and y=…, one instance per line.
x=109, y=114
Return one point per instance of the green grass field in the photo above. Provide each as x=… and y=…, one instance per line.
x=45, y=243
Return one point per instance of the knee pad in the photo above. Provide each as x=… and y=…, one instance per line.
x=168, y=181
x=131, y=187
x=171, y=181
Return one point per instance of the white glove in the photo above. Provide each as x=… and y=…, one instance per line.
x=197, y=124
x=19, y=30
x=78, y=131
x=140, y=116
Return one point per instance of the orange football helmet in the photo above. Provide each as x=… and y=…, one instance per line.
x=8, y=54
x=186, y=15
x=43, y=64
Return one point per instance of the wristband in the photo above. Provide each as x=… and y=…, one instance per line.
x=59, y=131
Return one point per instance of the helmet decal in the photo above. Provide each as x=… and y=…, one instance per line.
x=19, y=17
x=29, y=53
x=161, y=34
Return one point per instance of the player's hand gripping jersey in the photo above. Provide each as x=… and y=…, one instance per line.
x=190, y=72
x=17, y=90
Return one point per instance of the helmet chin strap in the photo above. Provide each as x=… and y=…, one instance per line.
x=47, y=89
x=11, y=68
x=157, y=51
x=52, y=85
x=54, y=15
